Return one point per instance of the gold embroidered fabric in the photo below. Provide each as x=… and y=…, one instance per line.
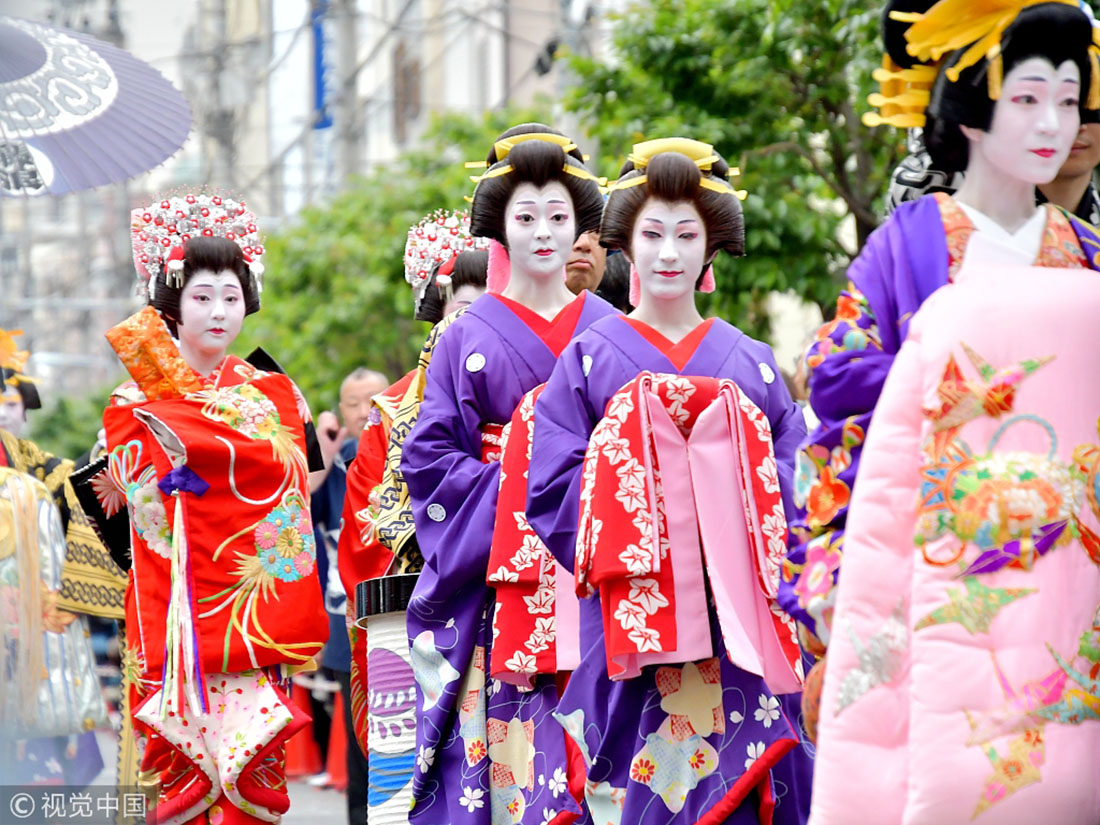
x=90, y=581
x=395, y=519
x=151, y=357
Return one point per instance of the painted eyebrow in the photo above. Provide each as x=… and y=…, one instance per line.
x=1044, y=80
x=208, y=285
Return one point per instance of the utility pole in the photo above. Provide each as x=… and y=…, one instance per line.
x=349, y=150
x=218, y=118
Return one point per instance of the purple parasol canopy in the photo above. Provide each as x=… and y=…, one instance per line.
x=76, y=113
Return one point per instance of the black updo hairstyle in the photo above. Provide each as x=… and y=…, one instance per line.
x=199, y=253
x=469, y=270
x=538, y=162
x=1054, y=31
x=673, y=177
x=28, y=392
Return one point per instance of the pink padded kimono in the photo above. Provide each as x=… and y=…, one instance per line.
x=962, y=677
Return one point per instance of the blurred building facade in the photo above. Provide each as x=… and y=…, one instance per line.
x=290, y=99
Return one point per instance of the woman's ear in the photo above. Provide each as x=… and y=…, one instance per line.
x=971, y=133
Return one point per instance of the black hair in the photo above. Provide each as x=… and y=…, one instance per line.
x=27, y=390
x=673, y=177
x=614, y=286
x=199, y=253
x=538, y=162
x=470, y=269
x=1053, y=31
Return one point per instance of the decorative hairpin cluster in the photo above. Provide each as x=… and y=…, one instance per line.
x=702, y=154
x=12, y=361
x=160, y=230
x=437, y=239
x=975, y=28
x=505, y=145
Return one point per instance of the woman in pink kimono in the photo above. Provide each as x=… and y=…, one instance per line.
x=962, y=671
x=973, y=125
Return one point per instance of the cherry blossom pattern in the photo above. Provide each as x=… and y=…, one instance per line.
x=671, y=767
x=472, y=798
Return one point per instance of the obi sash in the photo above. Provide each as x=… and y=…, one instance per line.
x=680, y=475
x=393, y=523
x=216, y=482
x=537, y=618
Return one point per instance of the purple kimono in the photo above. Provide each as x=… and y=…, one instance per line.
x=475, y=761
x=904, y=261
x=758, y=743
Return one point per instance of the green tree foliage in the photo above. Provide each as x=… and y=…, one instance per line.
x=778, y=87
x=336, y=295
x=68, y=427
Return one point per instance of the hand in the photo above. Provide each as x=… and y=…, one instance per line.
x=330, y=435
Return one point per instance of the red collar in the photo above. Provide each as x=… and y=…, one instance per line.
x=555, y=333
x=680, y=352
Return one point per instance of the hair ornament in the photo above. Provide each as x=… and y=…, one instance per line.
x=492, y=173
x=445, y=285
x=12, y=358
x=505, y=145
x=12, y=363
x=734, y=174
x=702, y=154
x=575, y=171
x=159, y=231
x=437, y=238
x=173, y=267
x=257, y=269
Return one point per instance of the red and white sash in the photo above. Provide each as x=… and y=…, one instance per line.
x=680, y=475
x=535, y=627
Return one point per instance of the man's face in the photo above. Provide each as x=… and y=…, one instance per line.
x=1084, y=155
x=586, y=264
x=12, y=413
x=355, y=396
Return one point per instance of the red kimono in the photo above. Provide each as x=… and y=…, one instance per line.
x=213, y=473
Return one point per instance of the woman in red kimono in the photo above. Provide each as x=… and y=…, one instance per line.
x=207, y=455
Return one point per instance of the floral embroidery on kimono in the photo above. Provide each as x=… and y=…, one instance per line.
x=975, y=645
x=208, y=595
x=848, y=364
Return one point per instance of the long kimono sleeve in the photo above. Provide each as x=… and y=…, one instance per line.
x=454, y=494
x=848, y=364
x=564, y=420
x=864, y=714
x=788, y=428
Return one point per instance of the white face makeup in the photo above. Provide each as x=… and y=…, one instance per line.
x=669, y=243
x=463, y=297
x=1035, y=121
x=12, y=413
x=539, y=226
x=211, y=312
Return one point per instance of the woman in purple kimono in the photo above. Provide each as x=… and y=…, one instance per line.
x=702, y=740
x=477, y=759
x=1008, y=138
